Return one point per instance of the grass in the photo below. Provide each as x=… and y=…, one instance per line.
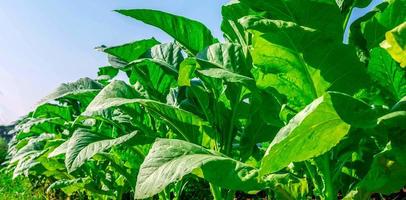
x=17, y=189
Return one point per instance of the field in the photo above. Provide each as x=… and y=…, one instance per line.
x=281, y=108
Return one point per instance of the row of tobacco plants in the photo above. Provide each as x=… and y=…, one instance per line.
x=281, y=109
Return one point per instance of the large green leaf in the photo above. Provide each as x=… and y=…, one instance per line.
x=191, y=34
x=304, y=13
x=384, y=70
x=83, y=145
x=312, y=132
x=82, y=90
x=375, y=28
x=169, y=160
x=130, y=51
x=288, y=61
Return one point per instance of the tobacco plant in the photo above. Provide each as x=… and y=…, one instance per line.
x=281, y=107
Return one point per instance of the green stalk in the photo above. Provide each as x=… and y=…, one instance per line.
x=312, y=175
x=324, y=168
x=229, y=142
x=216, y=192
x=230, y=195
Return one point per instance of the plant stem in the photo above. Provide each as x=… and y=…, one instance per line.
x=230, y=195
x=324, y=167
x=216, y=192
x=312, y=176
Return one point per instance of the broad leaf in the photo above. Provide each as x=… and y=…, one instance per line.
x=287, y=61
x=191, y=34
x=131, y=51
x=312, y=132
x=169, y=160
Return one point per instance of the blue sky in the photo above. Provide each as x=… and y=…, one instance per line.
x=46, y=43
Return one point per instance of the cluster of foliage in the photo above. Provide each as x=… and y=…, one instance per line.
x=282, y=108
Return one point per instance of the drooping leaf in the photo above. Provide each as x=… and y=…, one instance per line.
x=61, y=149
x=169, y=160
x=83, y=145
x=130, y=51
x=312, y=132
x=83, y=90
x=191, y=34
